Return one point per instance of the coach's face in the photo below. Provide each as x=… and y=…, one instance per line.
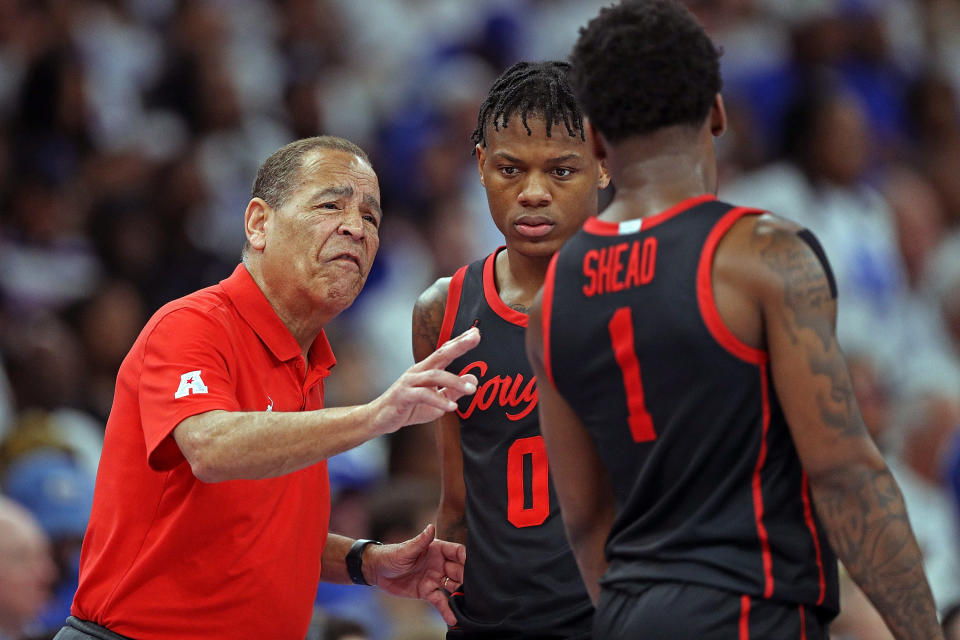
x=540, y=189
x=318, y=247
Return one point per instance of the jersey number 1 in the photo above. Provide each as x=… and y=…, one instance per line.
x=621, y=337
x=518, y=513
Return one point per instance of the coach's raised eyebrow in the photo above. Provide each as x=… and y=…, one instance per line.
x=347, y=191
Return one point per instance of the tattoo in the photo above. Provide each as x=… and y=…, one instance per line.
x=838, y=408
x=807, y=315
x=806, y=287
x=519, y=307
x=428, y=318
x=867, y=524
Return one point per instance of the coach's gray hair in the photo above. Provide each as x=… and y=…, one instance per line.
x=277, y=176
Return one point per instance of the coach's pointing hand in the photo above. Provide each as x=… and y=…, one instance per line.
x=426, y=390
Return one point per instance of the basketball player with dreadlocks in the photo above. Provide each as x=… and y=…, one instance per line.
x=542, y=182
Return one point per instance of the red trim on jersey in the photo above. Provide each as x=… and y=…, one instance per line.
x=803, y=622
x=546, y=306
x=744, y=617
x=453, y=304
x=808, y=516
x=758, y=490
x=708, y=304
x=493, y=296
x=600, y=227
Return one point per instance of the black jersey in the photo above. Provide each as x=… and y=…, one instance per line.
x=520, y=578
x=708, y=485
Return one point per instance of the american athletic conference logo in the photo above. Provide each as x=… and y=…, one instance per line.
x=190, y=382
x=508, y=392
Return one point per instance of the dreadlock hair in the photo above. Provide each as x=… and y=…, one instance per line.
x=643, y=65
x=531, y=88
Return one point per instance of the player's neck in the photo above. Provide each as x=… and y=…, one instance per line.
x=519, y=277
x=654, y=172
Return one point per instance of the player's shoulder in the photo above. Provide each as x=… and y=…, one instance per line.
x=774, y=253
x=434, y=296
x=759, y=246
x=769, y=223
x=762, y=229
x=428, y=313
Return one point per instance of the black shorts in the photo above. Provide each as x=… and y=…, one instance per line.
x=460, y=634
x=684, y=611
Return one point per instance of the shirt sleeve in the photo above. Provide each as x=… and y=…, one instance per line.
x=186, y=371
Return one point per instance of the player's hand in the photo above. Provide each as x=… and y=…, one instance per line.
x=422, y=567
x=426, y=390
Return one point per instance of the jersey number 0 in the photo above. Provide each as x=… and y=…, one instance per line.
x=524, y=511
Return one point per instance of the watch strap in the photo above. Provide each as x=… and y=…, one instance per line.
x=355, y=561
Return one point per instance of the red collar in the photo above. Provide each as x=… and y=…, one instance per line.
x=254, y=307
x=600, y=227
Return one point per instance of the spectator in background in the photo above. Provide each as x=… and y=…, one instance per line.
x=920, y=220
x=925, y=423
x=820, y=183
x=59, y=493
x=46, y=261
x=933, y=115
x=324, y=627
x=27, y=570
x=46, y=365
x=943, y=282
x=344, y=630
x=107, y=324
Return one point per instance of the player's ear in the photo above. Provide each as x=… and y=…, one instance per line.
x=718, y=117
x=481, y=157
x=255, y=221
x=604, y=181
x=595, y=140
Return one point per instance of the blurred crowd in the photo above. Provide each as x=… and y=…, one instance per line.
x=130, y=132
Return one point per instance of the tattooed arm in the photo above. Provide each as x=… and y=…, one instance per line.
x=855, y=495
x=451, y=514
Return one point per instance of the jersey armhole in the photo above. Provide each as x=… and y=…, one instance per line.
x=807, y=236
x=705, y=295
x=546, y=309
x=452, y=306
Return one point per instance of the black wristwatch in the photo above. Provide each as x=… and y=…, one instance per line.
x=355, y=561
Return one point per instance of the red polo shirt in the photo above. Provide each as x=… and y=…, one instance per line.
x=166, y=556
